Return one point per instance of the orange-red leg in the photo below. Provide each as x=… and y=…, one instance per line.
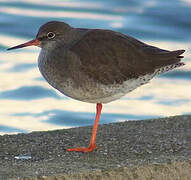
x=92, y=144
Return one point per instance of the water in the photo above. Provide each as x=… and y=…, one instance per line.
x=28, y=103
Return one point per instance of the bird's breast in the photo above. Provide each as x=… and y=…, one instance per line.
x=52, y=68
x=63, y=74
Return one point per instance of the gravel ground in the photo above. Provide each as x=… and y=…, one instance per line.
x=126, y=150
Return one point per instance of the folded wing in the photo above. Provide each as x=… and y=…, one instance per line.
x=111, y=57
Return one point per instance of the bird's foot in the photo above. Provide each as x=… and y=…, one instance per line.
x=83, y=149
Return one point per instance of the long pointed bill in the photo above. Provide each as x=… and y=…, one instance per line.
x=34, y=42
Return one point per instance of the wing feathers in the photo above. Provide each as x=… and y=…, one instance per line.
x=110, y=57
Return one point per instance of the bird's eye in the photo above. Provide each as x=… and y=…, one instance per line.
x=50, y=35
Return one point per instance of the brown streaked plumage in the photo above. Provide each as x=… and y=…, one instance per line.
x=97, y=66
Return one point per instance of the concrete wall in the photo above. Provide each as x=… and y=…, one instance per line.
x=150, y=149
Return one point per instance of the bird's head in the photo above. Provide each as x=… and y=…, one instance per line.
x=47, y=35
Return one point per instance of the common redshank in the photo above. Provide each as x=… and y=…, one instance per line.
x=96, y=65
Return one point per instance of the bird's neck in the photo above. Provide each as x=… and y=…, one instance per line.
x=74, y=35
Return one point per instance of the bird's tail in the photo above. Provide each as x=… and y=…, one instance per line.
x=176, y=54
x=160, y=58
x=168, y=68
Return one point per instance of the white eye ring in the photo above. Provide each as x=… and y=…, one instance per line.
x=51, y=35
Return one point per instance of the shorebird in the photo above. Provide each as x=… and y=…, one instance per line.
x=96, y=65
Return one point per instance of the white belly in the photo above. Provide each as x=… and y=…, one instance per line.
x=116, y=91
x=101, y=93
